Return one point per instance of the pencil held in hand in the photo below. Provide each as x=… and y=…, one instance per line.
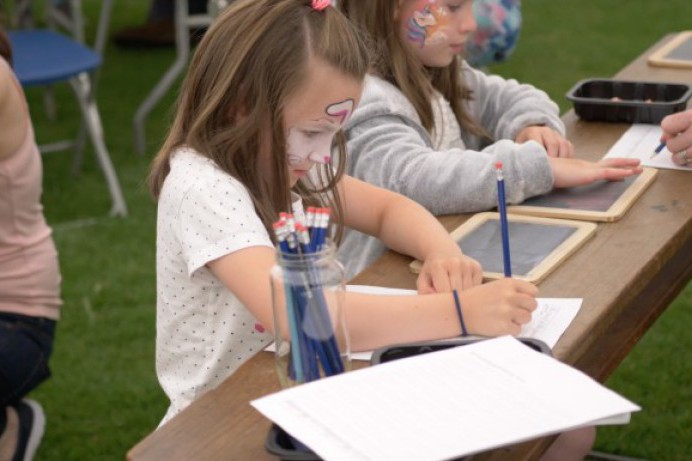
x=658, y=149
x=502, y=207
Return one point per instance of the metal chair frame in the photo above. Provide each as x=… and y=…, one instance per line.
x=82, y=84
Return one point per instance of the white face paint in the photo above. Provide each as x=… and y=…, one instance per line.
x=311, y=141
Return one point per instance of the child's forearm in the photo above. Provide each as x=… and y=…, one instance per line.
x=410, y=229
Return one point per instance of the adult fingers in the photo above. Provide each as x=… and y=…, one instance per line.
x=681, y=142
x=683, y=158
x=677, y=123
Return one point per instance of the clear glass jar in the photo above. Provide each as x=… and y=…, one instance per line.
x=311, y=336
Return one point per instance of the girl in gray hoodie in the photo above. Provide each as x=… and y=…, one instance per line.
x=431, y=127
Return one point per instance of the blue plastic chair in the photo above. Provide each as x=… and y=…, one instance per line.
x=43, y=57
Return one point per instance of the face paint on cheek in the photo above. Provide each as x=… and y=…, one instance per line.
x=426, y=24
x=301, y=148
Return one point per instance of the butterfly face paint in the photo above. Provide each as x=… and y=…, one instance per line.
x=311, y=141
x=437, y=29
x=427, y=23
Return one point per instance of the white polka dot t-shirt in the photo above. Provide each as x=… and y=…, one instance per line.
x=203, y=333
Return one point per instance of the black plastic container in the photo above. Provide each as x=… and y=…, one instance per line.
x=280, y=444
x=401, y=351
x=627, y=101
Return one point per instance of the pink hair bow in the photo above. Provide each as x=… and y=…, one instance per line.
x=320, y=5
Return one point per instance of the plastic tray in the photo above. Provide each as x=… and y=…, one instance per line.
x=627, y=101
x=280, y=444
x=401, y=351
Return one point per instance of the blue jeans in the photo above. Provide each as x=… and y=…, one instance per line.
x=26, y=344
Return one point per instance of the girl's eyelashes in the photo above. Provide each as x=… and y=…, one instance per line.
x=311, y=133
x=453, y=7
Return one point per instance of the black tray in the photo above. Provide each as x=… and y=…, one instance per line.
x=280, y=444
x=400, y=351
x=627, y=101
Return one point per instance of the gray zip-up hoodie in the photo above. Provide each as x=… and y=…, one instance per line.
x=448, y=172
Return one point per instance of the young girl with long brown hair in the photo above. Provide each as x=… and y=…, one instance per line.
x=269, y=88
x=431, y=127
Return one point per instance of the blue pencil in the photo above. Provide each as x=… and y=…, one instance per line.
x=658, y=150
x=504, y=225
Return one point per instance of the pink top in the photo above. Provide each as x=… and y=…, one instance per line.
x=29, y=270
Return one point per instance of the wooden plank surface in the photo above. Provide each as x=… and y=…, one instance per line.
x=627, y=274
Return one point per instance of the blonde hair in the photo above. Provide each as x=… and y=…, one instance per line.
x=250, y=61
x=398, y=65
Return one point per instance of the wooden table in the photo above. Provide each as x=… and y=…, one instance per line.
x=627, y=274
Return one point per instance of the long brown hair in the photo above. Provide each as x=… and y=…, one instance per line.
x=5, y=46
x=398, y=65
x=250, y=61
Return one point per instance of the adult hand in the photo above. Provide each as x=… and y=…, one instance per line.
x=555, y=144
x=677, y=134
x=570, y=172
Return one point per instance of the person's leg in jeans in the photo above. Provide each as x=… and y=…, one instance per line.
x=26, y=344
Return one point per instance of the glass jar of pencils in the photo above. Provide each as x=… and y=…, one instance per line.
x=311, y=336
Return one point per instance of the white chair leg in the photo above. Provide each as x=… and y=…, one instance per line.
x=49, y=102
x=182, y=42
x=78, y=150
x=81, y=86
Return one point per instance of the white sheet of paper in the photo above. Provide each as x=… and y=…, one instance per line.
x=640, y=141
x=549, y=321
x=551, y=318
x=441, y=405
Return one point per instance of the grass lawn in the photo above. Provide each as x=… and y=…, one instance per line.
x=104, y=396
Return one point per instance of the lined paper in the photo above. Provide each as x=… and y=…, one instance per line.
x=640, y=141
x=442, y=405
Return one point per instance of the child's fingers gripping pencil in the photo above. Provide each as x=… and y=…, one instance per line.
x=504, y=225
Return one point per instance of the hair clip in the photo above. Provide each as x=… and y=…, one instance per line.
x=320, y=5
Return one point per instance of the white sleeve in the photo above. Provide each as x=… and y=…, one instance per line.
x=216, y=219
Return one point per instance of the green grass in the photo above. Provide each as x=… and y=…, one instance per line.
x=104, y=396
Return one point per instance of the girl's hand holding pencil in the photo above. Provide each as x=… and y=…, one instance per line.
x=500, y=307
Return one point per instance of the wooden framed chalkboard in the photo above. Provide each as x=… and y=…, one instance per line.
x=537, y=245
x=676, y=53
x=602, y=201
